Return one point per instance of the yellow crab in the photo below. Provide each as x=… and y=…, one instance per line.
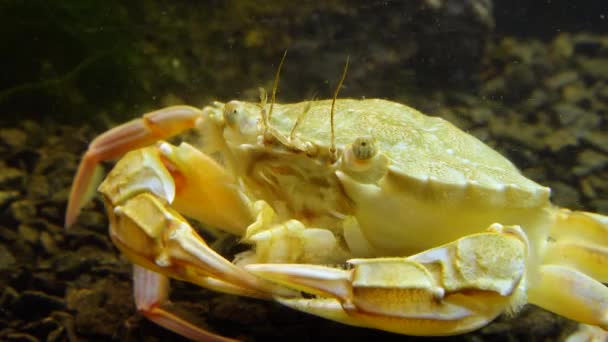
x=390, y=219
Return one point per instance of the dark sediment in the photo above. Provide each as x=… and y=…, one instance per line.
x=543, y=104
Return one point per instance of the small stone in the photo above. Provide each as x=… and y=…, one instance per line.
x=587, y=188
x=51, y=212
x=8, y=234
x=537, y=99
x=21, y=337
x=598, y=140
x=560, y=139
x=575, y=93
x=14, y=138
x=94, y=219
x=7, y=196
x=595, y=68
x=84, y=298
x=562, y=46
x=590, y=161
x=103, y=309
x=562, y=79
x=60, y=196
x=8, y=297
x=28, y=233
x=7, y=259
x=71, y=264
x=480, y=115
x=525, y=135
x=48, y=243
x=38, y=187
x=598, y=183
x=67, y=327
x=568, y=113
x=494, y=87
x=10, y=177
x=23, y=210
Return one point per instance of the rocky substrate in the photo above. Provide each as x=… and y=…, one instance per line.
x=544, y=105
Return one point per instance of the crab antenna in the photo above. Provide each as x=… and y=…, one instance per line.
x=332, y=148
x=299, y=119
x=275, y=85
x=263, y=100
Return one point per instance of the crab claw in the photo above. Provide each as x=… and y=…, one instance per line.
x=112, y=144
x=146, y=192
x=443, y=291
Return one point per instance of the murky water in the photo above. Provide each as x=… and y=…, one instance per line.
x=530, y=80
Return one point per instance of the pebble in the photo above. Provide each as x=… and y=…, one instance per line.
x=562, y=79
x=595, y=68
x=48, y=243
x=568, y=113
x=576, y=93
x=21, y=337
x=14, y=138
x=10, y=177
x=7, y=196
x=7, y=259
x=38, y=187
x=23, y=210
x=597, y=139
x=537, y=99
x=590, y=161
x=481, y=115
x=602, y=93
x=28, y=233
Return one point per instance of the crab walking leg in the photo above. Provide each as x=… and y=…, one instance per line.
x=571, y=294
x=447, y=290
x=155, y=236
x=151, y=292
x=580, y=240
x=112, y=144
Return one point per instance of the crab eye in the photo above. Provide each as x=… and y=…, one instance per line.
x=231, y=113
x=364, y=148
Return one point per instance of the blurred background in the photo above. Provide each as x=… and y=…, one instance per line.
x=530, y=78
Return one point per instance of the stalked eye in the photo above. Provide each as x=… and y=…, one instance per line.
x=364, y=148
x=231, y=112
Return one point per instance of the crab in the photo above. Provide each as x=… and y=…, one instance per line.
x=362, y=211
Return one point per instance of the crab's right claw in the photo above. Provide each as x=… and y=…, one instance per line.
x=447, y=290
x=145, y=194
x=112, y=144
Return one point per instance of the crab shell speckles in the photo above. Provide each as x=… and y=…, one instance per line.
x=427, y=154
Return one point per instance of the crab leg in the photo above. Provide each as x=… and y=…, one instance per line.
x=145, y=193
x=112, y=144
x=580, y=240
x=577, y=258
x=151, y=292
x=447, y=290
x=156, y=237
x=578, y=296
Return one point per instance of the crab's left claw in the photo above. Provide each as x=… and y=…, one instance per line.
x=151, y=127
x=447, y=290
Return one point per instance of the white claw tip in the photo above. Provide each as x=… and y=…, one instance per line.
x=165, y=149
x=496, y=227
x=163, y=260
